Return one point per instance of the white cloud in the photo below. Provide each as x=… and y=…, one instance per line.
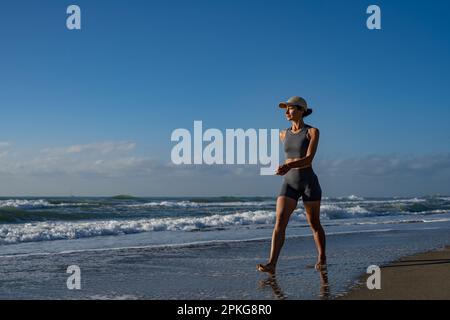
x=93, y=148
x=106, y=159
x=4, y=145
x=110, y=167
x=4, y=149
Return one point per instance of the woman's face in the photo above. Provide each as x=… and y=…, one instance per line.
x=293, y=113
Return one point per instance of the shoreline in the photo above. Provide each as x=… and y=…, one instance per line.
x=421, y=276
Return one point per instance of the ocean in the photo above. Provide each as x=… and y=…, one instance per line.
x=150, y=234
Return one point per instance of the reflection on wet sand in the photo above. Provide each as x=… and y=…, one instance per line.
x=271, y=281
x=324, y=285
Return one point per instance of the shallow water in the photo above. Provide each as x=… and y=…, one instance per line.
x=213, y=270
x=192, y=248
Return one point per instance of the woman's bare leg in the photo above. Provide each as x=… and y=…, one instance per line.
x=312, y=209
x=285, y=207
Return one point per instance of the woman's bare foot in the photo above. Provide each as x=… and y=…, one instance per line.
x=266, y=268
x=321, y=264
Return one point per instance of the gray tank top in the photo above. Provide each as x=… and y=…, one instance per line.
x=296, y=144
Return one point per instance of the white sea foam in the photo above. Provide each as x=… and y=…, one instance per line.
x=36, y=203
x=53, y=230
x=366, y=201
x=333, y=211
x=45, y=231
x=353, y=197
x=23, y=203
x=436, y=220
x=57, y=230
x=245, y=213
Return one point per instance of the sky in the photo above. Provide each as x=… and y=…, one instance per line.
x=91, y=111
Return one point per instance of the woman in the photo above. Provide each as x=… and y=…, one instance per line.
x=300, y=180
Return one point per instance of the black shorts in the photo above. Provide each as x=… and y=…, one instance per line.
x=301, y=183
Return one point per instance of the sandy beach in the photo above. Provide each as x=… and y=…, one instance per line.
x=423, y=276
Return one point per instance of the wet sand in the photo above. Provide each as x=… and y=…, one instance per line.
x=424, y=276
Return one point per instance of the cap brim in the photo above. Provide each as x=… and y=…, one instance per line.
x=307, y=112
x=284, y=104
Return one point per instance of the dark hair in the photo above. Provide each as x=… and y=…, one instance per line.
x=306, y=113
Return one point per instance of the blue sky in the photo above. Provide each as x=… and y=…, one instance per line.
x=91, y=112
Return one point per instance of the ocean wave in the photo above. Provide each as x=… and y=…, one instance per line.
x=38, y=204
x=353, y=197
x=193, y=204
x=60, y=230
x=47, y=231
x=350, y=197
x=333, y=211
x=21, y=211
x=398, y=221
x=18, y=215
x=24, y=204
x=380, y=201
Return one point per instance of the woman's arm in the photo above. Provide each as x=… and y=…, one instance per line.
x=282, y=135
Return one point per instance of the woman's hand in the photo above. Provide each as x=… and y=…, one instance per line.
x=283, y=169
